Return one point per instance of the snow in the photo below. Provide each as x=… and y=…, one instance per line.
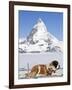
x=41, y=31
x=22, y=74
x=40, y=40
x=22, y=40
x=39, y=47
x=39, y=58
x=32, y=59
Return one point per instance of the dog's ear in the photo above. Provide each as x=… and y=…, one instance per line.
x=55, y=63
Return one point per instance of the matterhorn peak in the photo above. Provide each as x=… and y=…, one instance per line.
x=39, y=20
x=40, y=23
x=39, y=32
x=39, y=39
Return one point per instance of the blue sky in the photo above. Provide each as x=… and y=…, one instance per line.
x=52, y=20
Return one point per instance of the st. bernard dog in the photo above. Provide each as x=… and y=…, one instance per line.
x=44, y=70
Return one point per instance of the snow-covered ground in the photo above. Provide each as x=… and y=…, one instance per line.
x=39, y=58
x=22, y=74
x=28, y=60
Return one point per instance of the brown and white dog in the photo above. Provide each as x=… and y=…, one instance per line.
x=44, y=70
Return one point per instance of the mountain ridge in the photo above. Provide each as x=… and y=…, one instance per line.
x=40, y=40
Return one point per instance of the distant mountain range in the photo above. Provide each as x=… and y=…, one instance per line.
x=40, y=40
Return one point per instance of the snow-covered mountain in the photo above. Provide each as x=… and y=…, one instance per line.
x=40, y=40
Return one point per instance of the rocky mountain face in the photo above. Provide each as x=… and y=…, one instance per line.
x=40, y=40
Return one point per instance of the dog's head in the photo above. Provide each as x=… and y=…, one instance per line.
x=56, y=64
x=53, y=66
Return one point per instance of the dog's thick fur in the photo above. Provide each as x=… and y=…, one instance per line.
x=43, y=70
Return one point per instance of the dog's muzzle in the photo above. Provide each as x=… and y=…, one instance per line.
x=58, y=67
